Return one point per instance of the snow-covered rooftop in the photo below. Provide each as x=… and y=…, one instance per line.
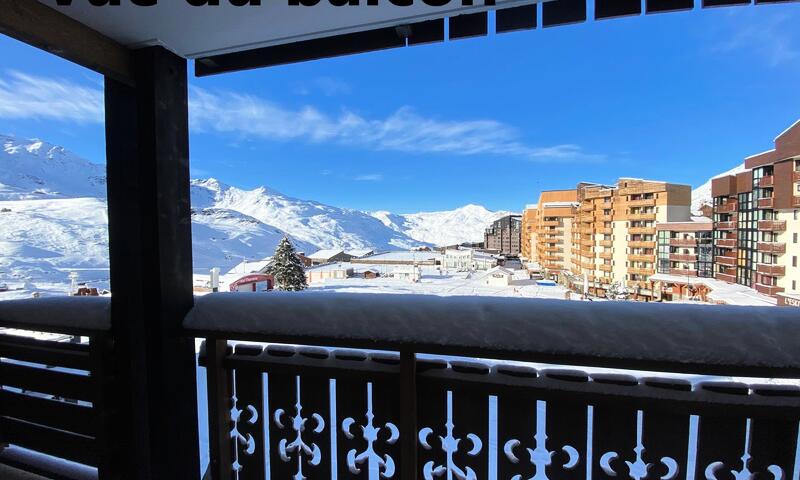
x=250, y=266
x=360, y=252
x=325, y=254
x=729, y=293
x=560, y=204
x=328, y=267
x=409, y=256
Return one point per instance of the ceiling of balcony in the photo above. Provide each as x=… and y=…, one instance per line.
x=212, y=30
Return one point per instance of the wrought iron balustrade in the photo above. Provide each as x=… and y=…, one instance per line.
x=319, y=409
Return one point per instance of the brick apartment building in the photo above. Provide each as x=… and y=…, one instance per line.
x=504, y=236
x=756, y=220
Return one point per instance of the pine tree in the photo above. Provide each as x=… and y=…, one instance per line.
x=286, y=268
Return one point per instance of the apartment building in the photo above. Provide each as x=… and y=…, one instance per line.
x=504, y=236
x=614, y=238
x=685, y=249
x=528, y=235
x=555, y=217
x=757, y=220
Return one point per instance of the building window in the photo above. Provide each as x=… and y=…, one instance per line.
x=794, y=236
x=794, y=261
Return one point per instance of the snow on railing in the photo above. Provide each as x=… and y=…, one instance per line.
x=721, y=340
x=73, y=315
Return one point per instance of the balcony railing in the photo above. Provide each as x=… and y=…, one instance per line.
x=641, y=244
x=642, y=230
x=55, y=396
x=796, y=201
x=771, y=290
x=728, y=207
x=683, y=242
x=796, y=176
x=726, y=242
x=766, y=182
x=772, y=225
x=306, y=404
x=642, y=216
x=771, y=270
x=730, y=225
x=645, y=202
x=684, y=272
x=766, y=202
x=726, y=260
x=682, y=257
x=725, y=277
x=606, y=243
x=649, y=258
x=771, y=247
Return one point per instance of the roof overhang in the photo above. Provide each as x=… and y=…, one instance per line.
x=196, y=32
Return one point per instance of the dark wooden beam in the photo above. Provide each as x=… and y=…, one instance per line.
x=36, y=24
x=147, y=150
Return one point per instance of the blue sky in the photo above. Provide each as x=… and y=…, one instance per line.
x=494, y=120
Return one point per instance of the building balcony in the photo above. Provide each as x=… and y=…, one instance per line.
x=606, y=255
x=766, y=202
x=639, y=285
x=553, y=258
x=605, y=267
x=553, y=249
x=641, y=271
x=771, y=270
x=587, y=207
x=606, y=243
x=604, y=218
x=644, y=202
x=642, y=230
x=586, y=242
x=551, y=223
x=683, y=272
x=605, y=280
x=770, y=290
x=682, y=257
x=766, y=182
x=796, y=201
x=772, y=225
x=725, y=242
x=605, y=230
x=730, y=225
x=729, y=261
x=771, y=247
x=553, y=266
x=641, y=244
x=729, y=207
x=586, y=230
x=796, y=176
x=642, y=258
x=725, y=277
x=642, y=216
x=683, y=242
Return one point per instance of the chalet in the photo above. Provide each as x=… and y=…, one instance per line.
x=329, y=256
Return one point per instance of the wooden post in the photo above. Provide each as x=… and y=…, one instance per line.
x=218, y=381
x=147, y=149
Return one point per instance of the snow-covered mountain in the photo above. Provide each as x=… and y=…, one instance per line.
x=312, y=222
x=32, y=169
x=465, y=224
x=702, y=194
x=53, y=218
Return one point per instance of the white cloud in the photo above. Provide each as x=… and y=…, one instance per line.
x=369, y=177
x=251, y=117
x=26, y=96
x=773, y=36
